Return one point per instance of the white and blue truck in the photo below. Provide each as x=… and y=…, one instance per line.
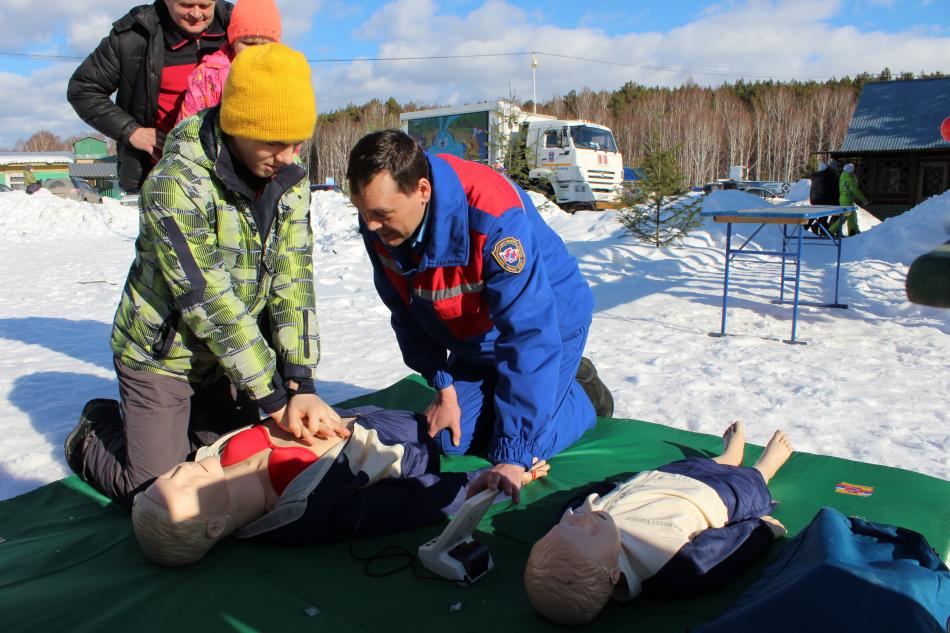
x=576, y=163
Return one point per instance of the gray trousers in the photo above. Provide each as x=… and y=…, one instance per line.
x=163, y=420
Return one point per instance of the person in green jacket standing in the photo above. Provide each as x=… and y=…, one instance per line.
x=30, y=185
x=217, y=319
x=848, y=192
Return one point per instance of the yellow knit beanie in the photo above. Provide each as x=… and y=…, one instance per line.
x=268, y=95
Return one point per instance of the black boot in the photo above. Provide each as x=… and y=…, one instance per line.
x=595, y=389
x=97, y=413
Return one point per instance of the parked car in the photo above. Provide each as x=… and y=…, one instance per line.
x=72, y=188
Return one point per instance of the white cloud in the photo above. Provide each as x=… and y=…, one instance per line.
x=37, y=102
x=297, y=16
x=26, y=22
x=754, y=38
x=84, y=35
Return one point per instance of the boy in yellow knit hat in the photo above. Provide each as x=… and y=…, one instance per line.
x=218, y=316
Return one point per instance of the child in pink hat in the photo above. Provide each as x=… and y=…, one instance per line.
x=252, y=22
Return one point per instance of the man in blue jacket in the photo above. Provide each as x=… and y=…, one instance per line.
x=487, y=304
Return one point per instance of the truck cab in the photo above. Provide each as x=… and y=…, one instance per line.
x=576, y=161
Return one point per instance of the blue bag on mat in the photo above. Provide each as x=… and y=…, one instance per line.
x=846, y=574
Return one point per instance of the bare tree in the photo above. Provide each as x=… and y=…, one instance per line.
x=737, y=128
x=822, y=104
x=42, y=141
x=842, y=109
x=332, y=142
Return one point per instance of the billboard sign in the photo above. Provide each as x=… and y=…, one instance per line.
x=462, y=135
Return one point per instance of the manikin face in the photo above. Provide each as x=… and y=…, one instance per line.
x=191, y=16
x=250, y=40
x=263, y=158
x=595, y=534
x=192, y=490
x=393, y=215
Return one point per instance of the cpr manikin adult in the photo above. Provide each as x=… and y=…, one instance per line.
x=262, y=482
x=681, y=529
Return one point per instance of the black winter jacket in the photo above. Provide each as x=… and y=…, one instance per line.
x=129, y=62
x=824, y=187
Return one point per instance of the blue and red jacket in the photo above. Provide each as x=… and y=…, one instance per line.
x=489, y=285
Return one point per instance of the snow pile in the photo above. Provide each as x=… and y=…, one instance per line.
x=798, y=191
x=732, y=200
x=43, y=216
x=333, y=218
x=907, y=236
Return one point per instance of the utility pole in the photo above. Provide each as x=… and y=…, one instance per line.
x=534, y=83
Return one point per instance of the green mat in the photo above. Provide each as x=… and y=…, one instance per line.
x=69, y=561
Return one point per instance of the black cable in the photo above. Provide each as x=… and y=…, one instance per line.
x=686, y=70
x=409, y=560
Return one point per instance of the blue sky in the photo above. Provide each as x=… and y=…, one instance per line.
x=650, y=42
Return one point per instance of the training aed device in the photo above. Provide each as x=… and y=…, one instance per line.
x=454, y=554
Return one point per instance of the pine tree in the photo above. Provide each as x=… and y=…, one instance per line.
x=509, y=144
x=657, y=211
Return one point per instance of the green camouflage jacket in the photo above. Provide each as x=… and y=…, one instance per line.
x=203, y=272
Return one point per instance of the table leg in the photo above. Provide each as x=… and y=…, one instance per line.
x=725, y=278
x=798, y=279
x=837, y=241
x=781, y=278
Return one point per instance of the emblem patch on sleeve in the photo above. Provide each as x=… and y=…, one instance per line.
x=509, y=254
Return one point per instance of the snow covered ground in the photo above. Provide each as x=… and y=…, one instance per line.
x=871, y=384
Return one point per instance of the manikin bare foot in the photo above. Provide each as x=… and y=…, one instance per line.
x=538, y=470
x=776, y=453
x=733, y=445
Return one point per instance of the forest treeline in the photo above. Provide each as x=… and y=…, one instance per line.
x=776, y=130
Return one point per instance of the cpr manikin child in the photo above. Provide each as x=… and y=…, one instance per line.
x=681, y=529
x=262, y=482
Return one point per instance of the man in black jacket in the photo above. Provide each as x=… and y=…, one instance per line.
x=145, y=60
x=824, y=191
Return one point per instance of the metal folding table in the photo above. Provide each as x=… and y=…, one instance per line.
x=792, y=221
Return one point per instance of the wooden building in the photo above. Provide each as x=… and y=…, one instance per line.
x=895, y=144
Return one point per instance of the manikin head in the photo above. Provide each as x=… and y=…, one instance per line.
x=822, y=166
x=389, y=184
x=572, y=570
x=849, y=168
x=183, y=513
x=264, y=80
